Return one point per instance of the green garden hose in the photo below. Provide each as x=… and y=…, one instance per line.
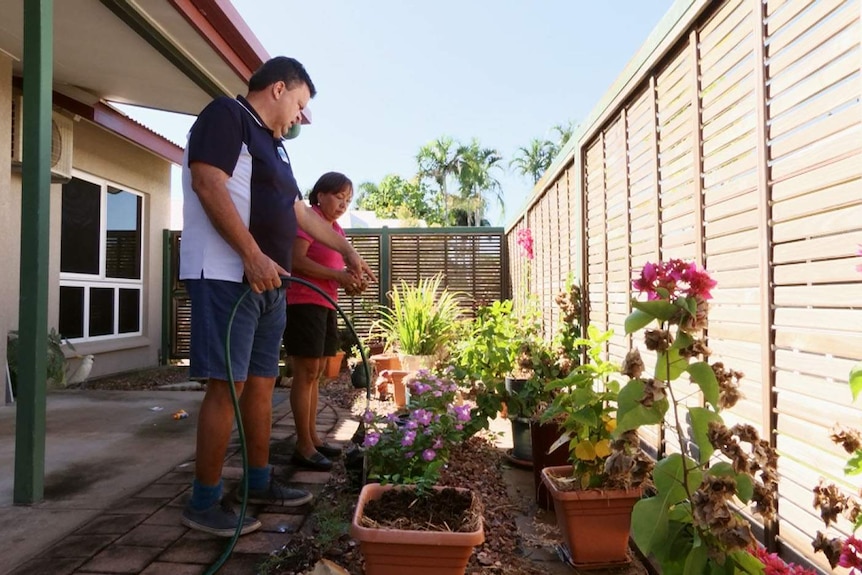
x=238, y=416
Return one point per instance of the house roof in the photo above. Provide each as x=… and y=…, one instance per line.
x=173, y=55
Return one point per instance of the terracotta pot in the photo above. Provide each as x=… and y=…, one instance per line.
x=543, y=436
x=333, y=364
x=400, y=552
x=595, y=523
x=385, y=361
x=399, y=390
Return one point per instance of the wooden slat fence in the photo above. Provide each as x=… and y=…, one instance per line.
x=734, y=141
x=471, y=260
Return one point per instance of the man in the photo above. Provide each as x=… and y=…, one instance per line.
x=241, y=209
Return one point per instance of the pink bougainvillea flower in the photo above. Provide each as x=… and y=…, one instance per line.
x=674, y=279
x=525, y=242
x=851, y=555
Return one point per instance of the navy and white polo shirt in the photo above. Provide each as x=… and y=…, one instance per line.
x=229, y=135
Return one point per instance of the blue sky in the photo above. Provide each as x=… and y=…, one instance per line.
x=393, y=75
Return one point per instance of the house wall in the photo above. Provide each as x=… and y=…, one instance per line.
x=105, y=155
x=99, y=153
x=10, y=214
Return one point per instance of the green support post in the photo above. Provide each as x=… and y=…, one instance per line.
x=385, y=279
x=35, y=212
x=167, y=302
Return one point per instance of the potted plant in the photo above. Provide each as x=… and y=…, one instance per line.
x=594, y=495
x=689, y=521
x=404, y=456
x=420, y=321
x=359, y=374
x=56, y=362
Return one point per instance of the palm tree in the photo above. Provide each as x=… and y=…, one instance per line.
x=534, y=159
x=438, y=161
x=476, y=178
x=564, y=131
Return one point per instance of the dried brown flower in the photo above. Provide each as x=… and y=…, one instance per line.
x=695, y=324
x=830, y=547
x=696, y=349
x=830, y=501
x=848, y=438
x=633, y=365
x=728, y=385
x=658, y=339
x=653, y=391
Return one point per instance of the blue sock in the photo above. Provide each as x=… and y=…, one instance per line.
x=204, y=496
x=258, y=478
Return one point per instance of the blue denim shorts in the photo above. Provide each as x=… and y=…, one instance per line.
x=255, y=337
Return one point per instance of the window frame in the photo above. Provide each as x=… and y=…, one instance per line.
x=100, y=280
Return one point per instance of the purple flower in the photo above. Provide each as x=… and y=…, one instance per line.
x=408, y=439
x=409, y=455
x=422, y=416
x=438, y=443
x=368, y=416
x=371, y=439
x=462, y=412
x=429, y=454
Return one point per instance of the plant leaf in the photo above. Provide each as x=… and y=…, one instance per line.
x=585, y=451
x=700, y=418
x=631, y=413
x=747, y=562
x=682, y=341
x=701, y=373
x=660, y=309
x=854, y=464
x=649, y=524
x=695, y=563
x=744, y=483
x=636, y=320
x=856, y=380
x=669, y=365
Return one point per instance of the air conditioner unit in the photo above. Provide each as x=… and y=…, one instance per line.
x=61, y=142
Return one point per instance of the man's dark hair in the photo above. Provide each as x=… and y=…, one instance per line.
x=281, y=69
x=329, y=183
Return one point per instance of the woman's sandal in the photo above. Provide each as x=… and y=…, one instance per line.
x=317, y=461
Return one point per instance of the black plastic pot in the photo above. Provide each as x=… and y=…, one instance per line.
x=358, y=377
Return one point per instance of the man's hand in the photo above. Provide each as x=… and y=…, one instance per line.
x=262, y=273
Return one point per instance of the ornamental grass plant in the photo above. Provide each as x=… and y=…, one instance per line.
x=422, y=317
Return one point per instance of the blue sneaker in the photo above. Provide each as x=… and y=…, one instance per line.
x=275, y=494
x=220, y=519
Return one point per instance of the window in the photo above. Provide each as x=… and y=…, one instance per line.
x=101, y=260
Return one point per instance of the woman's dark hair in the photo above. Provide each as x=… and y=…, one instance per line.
x=329, y=183
x=281, y=69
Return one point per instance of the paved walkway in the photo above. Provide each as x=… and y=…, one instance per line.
x=137, y=529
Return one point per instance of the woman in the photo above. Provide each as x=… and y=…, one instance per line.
x=311, y=334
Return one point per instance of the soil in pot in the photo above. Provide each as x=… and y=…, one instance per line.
x=444, y=510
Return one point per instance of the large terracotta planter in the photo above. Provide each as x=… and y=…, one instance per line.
x=405, y=552
x=595, y=523
x=333, y=364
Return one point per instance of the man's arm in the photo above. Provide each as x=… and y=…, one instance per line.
x=302, y=264
x=210, y=185
x=322, y=231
